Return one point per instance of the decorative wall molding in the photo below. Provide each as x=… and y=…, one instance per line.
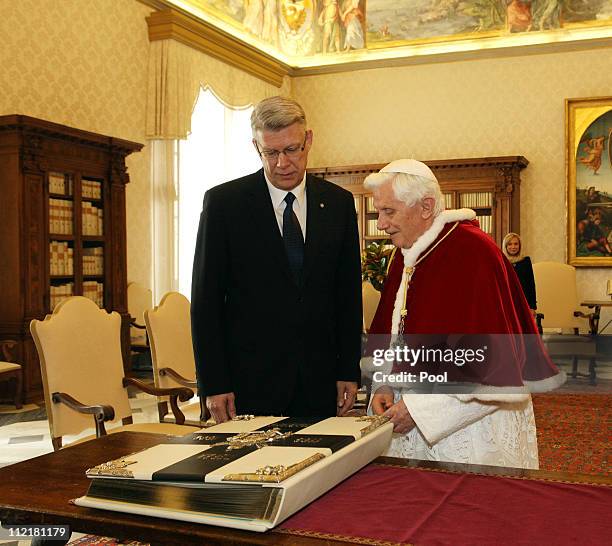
x=172, y=24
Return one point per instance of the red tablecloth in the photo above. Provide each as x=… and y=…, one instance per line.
x=384, y=504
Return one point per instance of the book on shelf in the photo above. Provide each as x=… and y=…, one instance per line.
x=94, y=291
x=373, y=231
x=476, y=200
x=60, y=292
x=60, y=216
x=93, y=261
x=448, y=200
x=92, y=219
x=92, y=189
x=247, y=474
x=60, y=183
x=486, y=223
x=61, y=260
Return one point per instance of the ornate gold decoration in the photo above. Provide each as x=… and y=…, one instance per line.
x=115, y=468
x=257, y=438
x=276, y=473
x=243, y=418
x=171, y=24
x=375, y=422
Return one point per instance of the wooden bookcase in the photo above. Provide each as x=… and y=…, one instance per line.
x=489, y=185
x=62, y=205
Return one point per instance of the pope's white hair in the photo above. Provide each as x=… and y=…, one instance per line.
x=409, y=188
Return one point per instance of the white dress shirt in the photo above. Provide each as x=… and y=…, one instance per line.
x=299, y=205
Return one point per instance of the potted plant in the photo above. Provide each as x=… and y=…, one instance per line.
x=374, y=263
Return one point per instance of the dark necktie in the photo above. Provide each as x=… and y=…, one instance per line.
x=293, y=238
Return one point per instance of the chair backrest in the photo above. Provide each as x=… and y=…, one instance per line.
x=79, y=348
x=370, y=297
x=140, y=298
x=169, y=330
x=557, y=295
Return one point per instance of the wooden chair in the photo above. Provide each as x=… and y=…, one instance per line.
x=140, y=298
x=11, y=371
x=169, y=330
x=562, y=318
x=82, y=371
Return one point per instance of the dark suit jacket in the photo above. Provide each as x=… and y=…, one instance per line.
x=255, y=332
x=524, y=271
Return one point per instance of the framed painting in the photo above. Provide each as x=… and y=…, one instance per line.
x=588, y=124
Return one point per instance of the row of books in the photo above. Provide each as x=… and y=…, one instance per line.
x=93, y=261
x=94, y=291
x=61, y=260
x=481, y=199
x=92, y=219
x=91, y=189
x=486, y=223
x=60, y=183
x=60, y=216
x=448, y=200
x=373, y=231
x=59, y=293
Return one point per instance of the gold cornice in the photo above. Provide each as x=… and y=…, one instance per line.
x=170, y=24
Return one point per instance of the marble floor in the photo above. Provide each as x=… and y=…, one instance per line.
x=24, y=434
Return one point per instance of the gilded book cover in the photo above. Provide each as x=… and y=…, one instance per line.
x=250, y=473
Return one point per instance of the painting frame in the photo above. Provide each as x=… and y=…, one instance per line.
x=589, y=194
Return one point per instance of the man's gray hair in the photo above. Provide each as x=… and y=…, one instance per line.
x=276, y=113
x=409, y=188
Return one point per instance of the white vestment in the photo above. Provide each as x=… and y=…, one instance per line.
x=458, y=429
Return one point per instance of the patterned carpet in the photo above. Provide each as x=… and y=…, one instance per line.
x=574, y=432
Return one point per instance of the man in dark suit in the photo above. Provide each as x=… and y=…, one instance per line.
x=276, y=292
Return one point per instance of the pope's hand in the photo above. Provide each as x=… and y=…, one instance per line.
x=382, y=400
x=221, y=406
x=400, y=417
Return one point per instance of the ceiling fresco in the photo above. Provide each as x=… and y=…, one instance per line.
x=310, y=32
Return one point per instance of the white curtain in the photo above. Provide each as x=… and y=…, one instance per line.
x=217, y=150
x=177, y=74
x=164, y=217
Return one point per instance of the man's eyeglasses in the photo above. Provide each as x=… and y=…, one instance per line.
x=289, y=151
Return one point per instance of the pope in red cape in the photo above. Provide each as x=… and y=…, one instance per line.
x=449, y=278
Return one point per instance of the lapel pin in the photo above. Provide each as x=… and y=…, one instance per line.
x=322, y=205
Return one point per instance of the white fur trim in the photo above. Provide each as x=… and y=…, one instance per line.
x=548, y=384
x=411, y=255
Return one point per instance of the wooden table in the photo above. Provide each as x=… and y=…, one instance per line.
x=38, y=491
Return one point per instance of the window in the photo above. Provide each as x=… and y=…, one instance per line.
x=218, y=149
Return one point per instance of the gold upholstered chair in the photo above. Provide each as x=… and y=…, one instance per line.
x=79, y=348
x=562, y=318
x=169, y=330
x=370, y=297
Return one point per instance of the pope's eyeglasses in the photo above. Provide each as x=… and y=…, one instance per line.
x=289, y=152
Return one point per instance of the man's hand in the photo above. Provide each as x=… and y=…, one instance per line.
x=382, y=400
x=400, y=417
x=221, y=407
x=347, y=392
